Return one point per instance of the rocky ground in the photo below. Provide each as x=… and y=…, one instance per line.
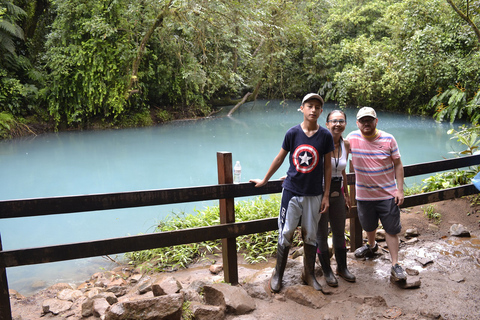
x=443, y=274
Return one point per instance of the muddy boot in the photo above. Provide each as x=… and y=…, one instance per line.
x=342, y=270
x=276, y=279
x=308, y=274
x=327, y=270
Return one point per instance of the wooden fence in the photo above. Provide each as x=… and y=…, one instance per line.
x=228, y=230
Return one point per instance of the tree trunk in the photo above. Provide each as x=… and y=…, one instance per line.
x=136, y=63
x=466, y=18
x=239, y=104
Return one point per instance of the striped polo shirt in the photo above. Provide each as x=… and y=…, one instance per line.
x=373, y=165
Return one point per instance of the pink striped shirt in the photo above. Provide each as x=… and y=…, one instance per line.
x=373, y=165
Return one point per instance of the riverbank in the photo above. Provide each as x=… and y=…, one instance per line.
x=448, y=269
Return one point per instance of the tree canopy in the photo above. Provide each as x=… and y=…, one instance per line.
x=71, y=63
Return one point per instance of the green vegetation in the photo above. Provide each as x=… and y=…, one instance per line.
x=469, y=137
x=72, y=65
x=431, y=213
x=255, y=247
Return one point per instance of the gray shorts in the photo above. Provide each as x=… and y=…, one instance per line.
x=297, y=209
x=369, y=212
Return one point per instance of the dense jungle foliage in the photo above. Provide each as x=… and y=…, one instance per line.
x=77, y=63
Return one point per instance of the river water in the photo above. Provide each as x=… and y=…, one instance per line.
x=177, y=154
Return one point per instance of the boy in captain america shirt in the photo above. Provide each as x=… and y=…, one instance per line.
x=303, y=197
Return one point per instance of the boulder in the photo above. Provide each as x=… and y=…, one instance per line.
x=306, y=296
x=100, y=306
x=69, y=295
x=459, y=230
x=234, y=299
x=206, y=312
x=156, y=308
x=165, y=286
x=56, y=306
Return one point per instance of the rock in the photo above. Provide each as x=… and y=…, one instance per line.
x=457, y=277
x=412, y=282
x=306, y=295
x=93, y=292
x=135, y=278
x=165, y=286
x=380, y=235
x=206, y=312
x=297, y=253
x=145, y=286
x=15, y=295
x=410, y=233
x=423, y=261
x=60, y=286
x=117, y=282
x=412, y=241
x=56, y=306
x=412, y=272
x=192, y=295
x=459, y=230
x=100, y=306
x=257, y=291
x=216, y=268
x=88, y=306
x=69, y=294
x=433, y=227
x=234, y=299
x=156, y=308
x=118, y=291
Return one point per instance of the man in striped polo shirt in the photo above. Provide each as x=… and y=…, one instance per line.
x=377, y=166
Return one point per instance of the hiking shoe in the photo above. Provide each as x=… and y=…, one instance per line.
x=366, y=251
x=397, y=273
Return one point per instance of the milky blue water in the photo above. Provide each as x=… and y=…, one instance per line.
x=177, y=154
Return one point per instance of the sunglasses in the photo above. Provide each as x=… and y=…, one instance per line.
x=335, y=121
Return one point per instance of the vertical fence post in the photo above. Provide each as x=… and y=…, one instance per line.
x=356, y=238
x=5, y=309
x=227, y=215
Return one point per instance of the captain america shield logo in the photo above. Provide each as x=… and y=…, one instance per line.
x=305, y=158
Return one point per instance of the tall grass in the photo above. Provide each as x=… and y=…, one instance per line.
x=254, y=247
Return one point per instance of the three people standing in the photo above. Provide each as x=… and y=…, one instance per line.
x=310, y=190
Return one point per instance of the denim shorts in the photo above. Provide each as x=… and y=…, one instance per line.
x=387, y=211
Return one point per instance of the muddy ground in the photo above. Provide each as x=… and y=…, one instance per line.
x=448, y=268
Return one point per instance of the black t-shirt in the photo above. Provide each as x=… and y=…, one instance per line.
x=305, y=174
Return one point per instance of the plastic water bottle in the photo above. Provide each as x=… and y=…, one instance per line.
x=237, y=172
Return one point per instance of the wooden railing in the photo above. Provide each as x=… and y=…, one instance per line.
x=228, y=230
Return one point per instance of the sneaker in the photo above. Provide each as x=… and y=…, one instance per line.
x=397, y=273
x=366, y=251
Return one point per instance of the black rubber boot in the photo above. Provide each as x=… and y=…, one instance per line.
x=327, y=270
x=308, y=274
x=276, y=279
x=342, y=270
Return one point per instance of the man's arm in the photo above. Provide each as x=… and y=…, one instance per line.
x=399, y=176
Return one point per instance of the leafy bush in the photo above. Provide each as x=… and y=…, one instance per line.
x=254, y=247
x=443, y=180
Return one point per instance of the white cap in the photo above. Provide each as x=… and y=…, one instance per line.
x=366, y=112
x=312, y=96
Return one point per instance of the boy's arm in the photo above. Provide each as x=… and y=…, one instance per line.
x=327, y=174
x=399, y=176
x=276, y=163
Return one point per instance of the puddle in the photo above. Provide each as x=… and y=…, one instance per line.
x=463, y=247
